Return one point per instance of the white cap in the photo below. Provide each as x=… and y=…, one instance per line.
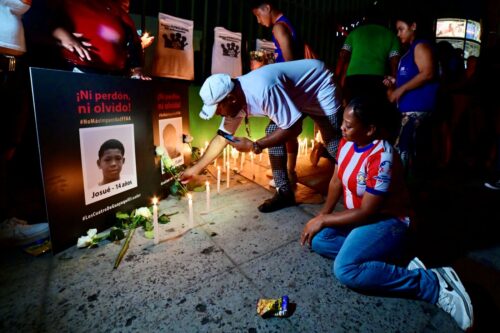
x=215, y=88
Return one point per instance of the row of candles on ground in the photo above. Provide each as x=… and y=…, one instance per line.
x=190, y=211
x=234, y=153
x=226, y=161
x=156, y=231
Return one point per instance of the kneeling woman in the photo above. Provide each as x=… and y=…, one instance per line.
x=366, y=236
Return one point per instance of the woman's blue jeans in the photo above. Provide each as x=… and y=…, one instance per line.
x=363, y=255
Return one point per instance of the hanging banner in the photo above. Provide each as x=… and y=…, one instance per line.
x=174, y=57
x=226, y=52
x=97, y=152
x=265, y=45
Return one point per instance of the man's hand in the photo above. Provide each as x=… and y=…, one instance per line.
x=187, y=175
x=242, y=144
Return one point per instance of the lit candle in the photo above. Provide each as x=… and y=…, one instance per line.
x=260, y=157
x=242, y=161
x=218, y=179
x=251, y=165
x=224, y=156
x=312, y=144
x=207, y=188
x=190, y=209
x=227, y=174
x=234, y=154
x=156, y=232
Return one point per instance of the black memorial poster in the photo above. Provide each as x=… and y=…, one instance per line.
x=170, y=122
x=96, y=148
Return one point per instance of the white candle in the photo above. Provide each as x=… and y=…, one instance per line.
x=218, y=179
x=224, y=157
x=207, y=188
x=242, y=161
x=156, y=232
x=227, y=174
x=190, y=209
x=251, y=165
x=312, y=144
x=260, y=157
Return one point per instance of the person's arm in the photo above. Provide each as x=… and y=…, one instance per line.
x=341, y=68
x=425, y=63
x=334, y=193
x=370, y=205
x=393, y=65
x=277, y=137
x=214, y=149
x=135, y=60
x=283, y=36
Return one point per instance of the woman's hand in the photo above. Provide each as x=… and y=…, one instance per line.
x=389, y=81
x=311, y=229
x=74, y=42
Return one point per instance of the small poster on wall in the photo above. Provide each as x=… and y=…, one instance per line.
x=97, y=152
x=169, y=124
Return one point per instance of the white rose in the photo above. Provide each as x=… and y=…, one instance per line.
x=83, y=241
x=91, y=232
x=159, y=151
x=144, y=212
x=167, y=161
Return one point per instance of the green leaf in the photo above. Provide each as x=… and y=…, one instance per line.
x=199, y=189
x=174, y=188
x=122, y=215
x=149, y=234
x=116, y=234
x=164, y=219
x=148, y=226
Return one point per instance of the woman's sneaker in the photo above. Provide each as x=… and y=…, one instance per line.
x=16, y=232
x=453, y=298
x=493, y=185
x=415, y=263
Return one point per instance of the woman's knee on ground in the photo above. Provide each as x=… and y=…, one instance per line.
x=347, y=273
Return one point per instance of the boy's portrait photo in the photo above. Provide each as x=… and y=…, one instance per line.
x=108, y=161
x=111, y=159
x=171, y=139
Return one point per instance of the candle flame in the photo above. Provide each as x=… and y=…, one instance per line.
x=189, y=196
x=155, y=200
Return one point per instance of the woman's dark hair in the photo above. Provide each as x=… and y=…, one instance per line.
x=424, y=22
x=257, y=3
x=111, y=144
x=379, y=112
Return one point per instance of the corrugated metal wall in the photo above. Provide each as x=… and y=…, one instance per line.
x=316, y=20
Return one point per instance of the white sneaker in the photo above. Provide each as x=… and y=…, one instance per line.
x=415, y=263
x=493, y=185
x=453, y=298
x=16, y=232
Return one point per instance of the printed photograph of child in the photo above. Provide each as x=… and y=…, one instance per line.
x=108, y=161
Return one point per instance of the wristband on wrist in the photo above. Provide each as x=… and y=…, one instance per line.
x=256, y=148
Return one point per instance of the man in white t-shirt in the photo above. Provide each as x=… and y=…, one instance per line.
x=285, y=93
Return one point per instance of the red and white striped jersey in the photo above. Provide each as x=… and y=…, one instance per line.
x=376, y=169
